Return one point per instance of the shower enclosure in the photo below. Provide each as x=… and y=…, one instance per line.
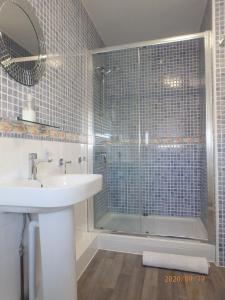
x=153, y=137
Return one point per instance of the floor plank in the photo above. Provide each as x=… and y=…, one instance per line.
x=120, y=276
x=150, y=284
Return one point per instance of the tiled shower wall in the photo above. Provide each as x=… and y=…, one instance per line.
x=155, y=94
x=172, y=106
x=219, y=27
x=63, y=96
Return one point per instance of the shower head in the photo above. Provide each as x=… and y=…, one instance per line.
x=103, y=71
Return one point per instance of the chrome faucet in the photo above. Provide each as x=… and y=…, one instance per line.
x=68, y=162
x=33, y=163
x=64, y=163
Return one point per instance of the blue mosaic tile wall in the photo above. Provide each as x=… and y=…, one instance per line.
x=123, y=178
x=170, y=90
x=63, y=97
x=101, y=119
x=155, y=94
x=167, y=181
x=171, y=180
x=172, y=105
x=219, y=15
x=100, y=167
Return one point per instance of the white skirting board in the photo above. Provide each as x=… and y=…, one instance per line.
x=176, y=262
x=86, y=257
x=136, y=245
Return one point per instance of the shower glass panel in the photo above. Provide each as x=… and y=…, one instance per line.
x=150, y=139
x=173, y=165
x=117, y=149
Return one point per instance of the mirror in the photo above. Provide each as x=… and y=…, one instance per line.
x=22, y=47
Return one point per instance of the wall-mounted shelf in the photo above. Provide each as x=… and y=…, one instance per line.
x=37, y=123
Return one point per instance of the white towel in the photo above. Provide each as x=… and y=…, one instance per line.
x=176, y=262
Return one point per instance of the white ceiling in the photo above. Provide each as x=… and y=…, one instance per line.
x=127, y=21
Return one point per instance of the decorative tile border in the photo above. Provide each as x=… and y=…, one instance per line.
x=20, y=129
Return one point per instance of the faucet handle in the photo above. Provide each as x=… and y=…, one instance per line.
x=68, y=162
x=61, y=162
x=33, y=155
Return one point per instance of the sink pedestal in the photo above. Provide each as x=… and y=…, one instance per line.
x=57, y=241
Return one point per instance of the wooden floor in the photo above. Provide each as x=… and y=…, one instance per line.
x=119, y=276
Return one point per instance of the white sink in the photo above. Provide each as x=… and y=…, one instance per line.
x=52, y=199
x=53, y=193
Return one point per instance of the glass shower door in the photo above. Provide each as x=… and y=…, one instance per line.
x=173, y=161
x=117, y=148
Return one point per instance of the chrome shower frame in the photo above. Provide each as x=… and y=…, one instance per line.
x=207, y=36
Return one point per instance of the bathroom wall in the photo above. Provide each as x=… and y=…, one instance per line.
x=219, y=32
x=218, y=24
x=156, y=94
x=62, y=98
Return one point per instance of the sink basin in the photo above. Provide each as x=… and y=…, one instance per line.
x=51, y=193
